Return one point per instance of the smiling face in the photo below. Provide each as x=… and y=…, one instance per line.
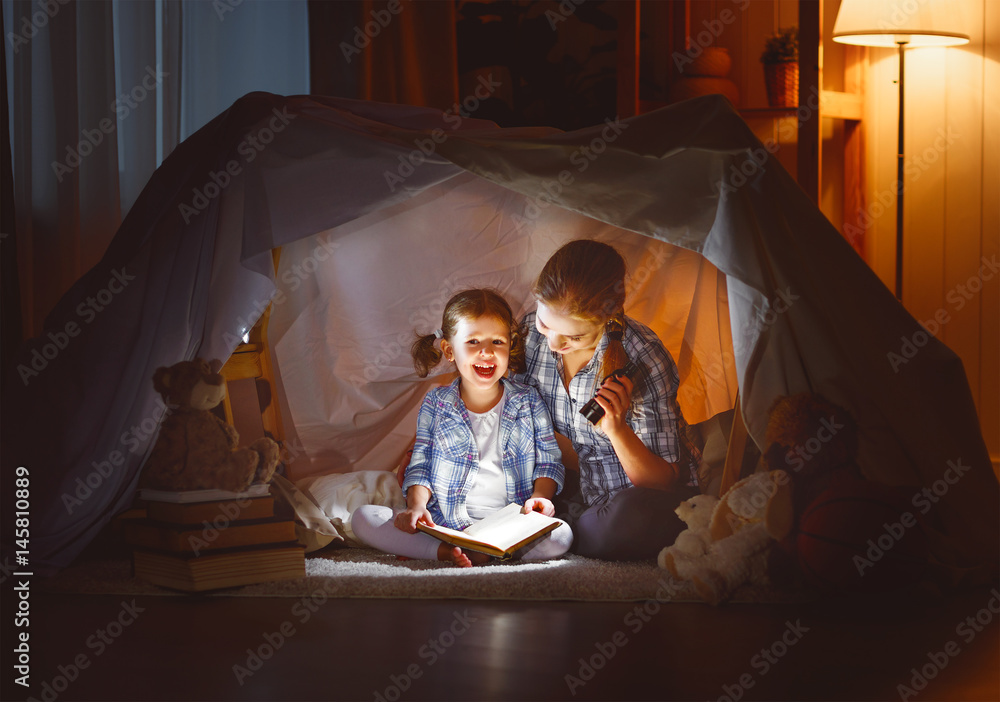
x=480, y=349
x=566, y=334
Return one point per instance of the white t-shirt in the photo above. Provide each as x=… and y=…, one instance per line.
x=489, y=491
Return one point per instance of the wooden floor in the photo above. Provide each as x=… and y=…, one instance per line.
x=212, y=648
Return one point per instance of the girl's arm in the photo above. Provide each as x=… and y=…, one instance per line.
x=416, y=509
x=549, y=474
x=643, y=467
x=417, y=479
x=541, y=497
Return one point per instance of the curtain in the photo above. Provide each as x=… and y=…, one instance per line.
x=101, y=92
x=10, y=309
x=396, y=51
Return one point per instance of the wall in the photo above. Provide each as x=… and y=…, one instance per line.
x=952, y=197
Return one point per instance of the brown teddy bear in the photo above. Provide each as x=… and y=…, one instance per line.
x=195, y=449
x=814, y=440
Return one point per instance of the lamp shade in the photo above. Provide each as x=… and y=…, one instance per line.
x=888, y=23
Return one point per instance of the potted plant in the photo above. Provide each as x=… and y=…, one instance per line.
x=781, y=67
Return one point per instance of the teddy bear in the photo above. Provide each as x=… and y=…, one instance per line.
x=814, y=440
x=744, y=523
x=195, y=449
x=695, y=540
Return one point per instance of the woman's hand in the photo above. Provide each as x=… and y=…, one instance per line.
x=614, y=397
x=539, y=504
x=407, y=519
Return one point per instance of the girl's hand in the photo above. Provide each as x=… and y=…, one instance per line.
x=615, y=398
x=539, y=504
x=408, y=518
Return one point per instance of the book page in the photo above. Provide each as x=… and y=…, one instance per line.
x=497, y=533
x=209, y=495
x=508, y=526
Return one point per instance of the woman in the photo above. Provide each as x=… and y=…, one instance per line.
x=637, y=464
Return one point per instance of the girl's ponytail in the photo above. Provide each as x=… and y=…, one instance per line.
x=425, y=354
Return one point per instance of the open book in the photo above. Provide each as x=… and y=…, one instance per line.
x=500, y=534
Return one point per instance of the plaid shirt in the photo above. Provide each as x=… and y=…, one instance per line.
x=446, y=459
x=654, y=414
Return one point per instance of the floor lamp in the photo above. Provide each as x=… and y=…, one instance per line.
x=899, y=24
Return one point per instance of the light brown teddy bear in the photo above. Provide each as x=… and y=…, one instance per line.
x=195, y=449
x=735, y=537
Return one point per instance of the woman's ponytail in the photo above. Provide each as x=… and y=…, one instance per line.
x=614, y=355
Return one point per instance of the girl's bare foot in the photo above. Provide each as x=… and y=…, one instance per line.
x=477, y=558
x=453, y=554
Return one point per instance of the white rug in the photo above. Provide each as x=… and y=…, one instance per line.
x=360, y=572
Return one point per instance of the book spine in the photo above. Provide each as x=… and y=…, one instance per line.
x=216, y=513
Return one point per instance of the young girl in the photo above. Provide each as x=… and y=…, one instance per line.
x=482, y=442
x=637, y=464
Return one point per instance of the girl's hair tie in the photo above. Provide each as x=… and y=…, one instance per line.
x=615, y=330
x=438, y=334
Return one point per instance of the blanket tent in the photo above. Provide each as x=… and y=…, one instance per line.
x=382, y=211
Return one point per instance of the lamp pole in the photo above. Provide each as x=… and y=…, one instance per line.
x=901, y=42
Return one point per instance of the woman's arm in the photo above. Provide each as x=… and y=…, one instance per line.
x=643, y=467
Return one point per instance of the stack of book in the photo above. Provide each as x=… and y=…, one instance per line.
x=210, y=539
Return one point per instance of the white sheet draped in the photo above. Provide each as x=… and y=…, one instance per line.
x=744, y=279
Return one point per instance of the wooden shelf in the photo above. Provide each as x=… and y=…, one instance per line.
x=768, y=111
x=833, y=104
x=841, y=105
